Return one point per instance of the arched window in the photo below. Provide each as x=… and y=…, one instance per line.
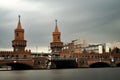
x=58, y=37
x=25, y=56
x=17, y=56
x=17, y=34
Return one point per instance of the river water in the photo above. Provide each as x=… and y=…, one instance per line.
x=63, y=74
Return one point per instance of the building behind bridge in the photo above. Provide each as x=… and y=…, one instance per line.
x=83, y=46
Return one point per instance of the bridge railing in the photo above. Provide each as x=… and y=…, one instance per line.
x=98, y=59
x=112, y=59
x=62, y=58
x=14, y=58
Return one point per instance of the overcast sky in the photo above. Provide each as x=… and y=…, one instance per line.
x=94, y=20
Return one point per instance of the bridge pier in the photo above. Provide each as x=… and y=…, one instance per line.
x=40, y=63
x=113, y=65
x=82, y=63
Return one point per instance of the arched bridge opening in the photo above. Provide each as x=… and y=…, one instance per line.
x=63, y=64
x=99, y=65
x=19, y=66
x=118, y=65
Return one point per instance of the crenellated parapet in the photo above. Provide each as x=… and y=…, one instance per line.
x=6, y=52
x=22, y=52
x=15, y=54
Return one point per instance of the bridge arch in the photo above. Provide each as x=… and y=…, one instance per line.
x=99, y=64
x=19, y=66
x=63, y=64
x=118, y=65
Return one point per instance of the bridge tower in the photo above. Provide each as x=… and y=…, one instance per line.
x=56, y=45
x=19, y=43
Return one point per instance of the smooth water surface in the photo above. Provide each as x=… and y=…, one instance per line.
x=63, y=74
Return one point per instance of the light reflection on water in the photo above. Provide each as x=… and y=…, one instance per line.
x=63, y=74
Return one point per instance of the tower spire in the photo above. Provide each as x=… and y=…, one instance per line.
x=19, y=23
x=56, y=22
x=19, y=17
x=19, y=43
x=56, y=45
x=56, y=27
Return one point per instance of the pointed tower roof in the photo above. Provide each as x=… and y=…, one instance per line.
x=56, y=27
x=19, y=23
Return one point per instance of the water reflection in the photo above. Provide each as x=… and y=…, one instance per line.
x=18, y=75
x=63, y=74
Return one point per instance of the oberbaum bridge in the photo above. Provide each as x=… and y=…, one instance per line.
x=21, y=59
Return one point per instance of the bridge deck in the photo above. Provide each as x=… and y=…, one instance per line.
x=61, y=59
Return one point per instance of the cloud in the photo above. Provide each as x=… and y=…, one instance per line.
x=95, y=20
x=18, y=5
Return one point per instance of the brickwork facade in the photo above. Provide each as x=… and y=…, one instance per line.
x=56, y=45
x=18, y=45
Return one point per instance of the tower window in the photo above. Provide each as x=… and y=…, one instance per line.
x=58, y=37
x=17, y=34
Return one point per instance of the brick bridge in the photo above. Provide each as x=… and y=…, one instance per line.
x=98, y=60
x=18, y=64
x=73, y=61
x=85, y=60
